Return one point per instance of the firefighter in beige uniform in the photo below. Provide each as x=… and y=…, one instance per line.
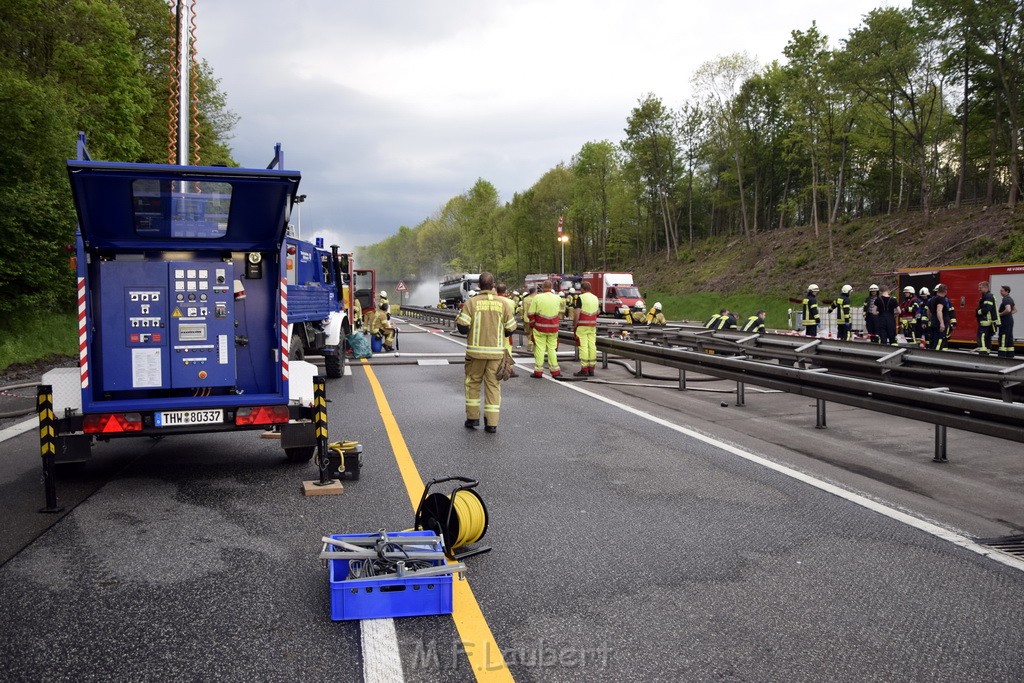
x=486, y=320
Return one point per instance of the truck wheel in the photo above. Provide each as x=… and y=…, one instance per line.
x=300, y=454
x=334, y=363
x=295, y=351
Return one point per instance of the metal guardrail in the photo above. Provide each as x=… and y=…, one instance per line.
x=972, y=393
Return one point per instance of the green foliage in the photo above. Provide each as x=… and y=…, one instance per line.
x=699, y=306
x=98, y=66
x=28, y=338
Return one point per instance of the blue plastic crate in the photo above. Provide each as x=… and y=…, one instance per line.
x=385, y=598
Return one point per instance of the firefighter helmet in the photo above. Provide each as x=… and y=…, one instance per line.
x=383, y=294
x=812, y=288
x=924, y=291
x=873, y=288
x=657, y=305
x=908, y=290
x=847, y=289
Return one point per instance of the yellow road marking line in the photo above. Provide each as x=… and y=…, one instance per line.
x=477, y=640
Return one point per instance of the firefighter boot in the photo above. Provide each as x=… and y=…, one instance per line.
x=582, y=373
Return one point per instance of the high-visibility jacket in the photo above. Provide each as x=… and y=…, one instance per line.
x=656, y=318
x=811, y=314
x=987, y=313
x=589, y=306
x=909, y=307
x=489, y=317
x=842, y=305
x=545, y=312
x=525, y=308
x=712, y=323
x=754, y=324
x=380, y=321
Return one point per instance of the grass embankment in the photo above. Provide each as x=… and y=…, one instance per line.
x=32, y=339
x=700, y=306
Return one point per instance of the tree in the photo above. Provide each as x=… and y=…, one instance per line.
x=652, y=154
x=719, y=82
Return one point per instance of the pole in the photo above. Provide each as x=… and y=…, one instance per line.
x=563, y=255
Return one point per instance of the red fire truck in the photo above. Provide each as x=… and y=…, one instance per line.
x=962, y=284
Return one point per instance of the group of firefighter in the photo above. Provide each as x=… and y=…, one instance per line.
x=377, y=320
x=924, y=317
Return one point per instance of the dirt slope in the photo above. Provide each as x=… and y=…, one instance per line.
x=863, y=251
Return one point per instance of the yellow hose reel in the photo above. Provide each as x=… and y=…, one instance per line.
x=459, y=518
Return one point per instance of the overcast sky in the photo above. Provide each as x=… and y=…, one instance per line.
x=391, y=107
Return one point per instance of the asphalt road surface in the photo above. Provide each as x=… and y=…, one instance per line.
x=638, y=533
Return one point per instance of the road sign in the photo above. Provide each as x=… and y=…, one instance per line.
x=401, y=286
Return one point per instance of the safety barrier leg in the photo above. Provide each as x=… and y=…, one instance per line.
x=320, y=427
x=822, y=421
x=604, y=360
x=741, y=391
x=940, y=443
x=682, y=379
x=638, y=370
x=48, y=445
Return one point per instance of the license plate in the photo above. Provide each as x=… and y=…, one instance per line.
x=184, y=418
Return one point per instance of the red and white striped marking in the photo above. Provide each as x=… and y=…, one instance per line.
x=285, y=342
x=83, y=346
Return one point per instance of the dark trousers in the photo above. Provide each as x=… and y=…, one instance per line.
x=1006, y=336
x=811, y=330
x=886, y=327
x=844, y=331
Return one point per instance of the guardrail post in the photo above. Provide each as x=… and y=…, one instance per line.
x=741, y=393
x=638, y=371
x=604, y=360
x=682, y=379
x=48, y=445
x=940, y=444
x=822, y=421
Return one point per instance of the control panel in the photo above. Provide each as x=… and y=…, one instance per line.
x=166, y=325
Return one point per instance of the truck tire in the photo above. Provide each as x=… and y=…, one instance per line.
x=334, y=363
x=295, y=351
x=300, y=454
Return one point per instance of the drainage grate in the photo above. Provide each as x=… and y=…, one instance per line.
x=1013, y=545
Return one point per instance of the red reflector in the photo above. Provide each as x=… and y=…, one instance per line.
x=112, y=423
x=261, y=415
x=291, y=250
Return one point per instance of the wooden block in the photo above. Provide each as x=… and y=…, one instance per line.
x=312, y=488
x=270, y=435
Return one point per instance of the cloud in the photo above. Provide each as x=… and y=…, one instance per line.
x=389, y=108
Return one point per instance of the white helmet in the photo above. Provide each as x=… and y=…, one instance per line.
x=624, y=309
x=657, y=305
x=515, y=292
x=383, y=294
x=847, y=289
x=924, y=291
x=908, y=290
x=572, y=290
x=812, y=288
x=472, y=292
x=873, y=288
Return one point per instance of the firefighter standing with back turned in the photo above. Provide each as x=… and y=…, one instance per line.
x=544, y=316
x=486, y=320
x=812, y=317
x=584, y=319
x=844, y=320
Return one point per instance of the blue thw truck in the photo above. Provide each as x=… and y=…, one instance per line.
x=183, y=307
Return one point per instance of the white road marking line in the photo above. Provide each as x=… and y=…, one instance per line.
x=381, y=660
x=18, y=429
x=856, y=498
x=874, y=506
